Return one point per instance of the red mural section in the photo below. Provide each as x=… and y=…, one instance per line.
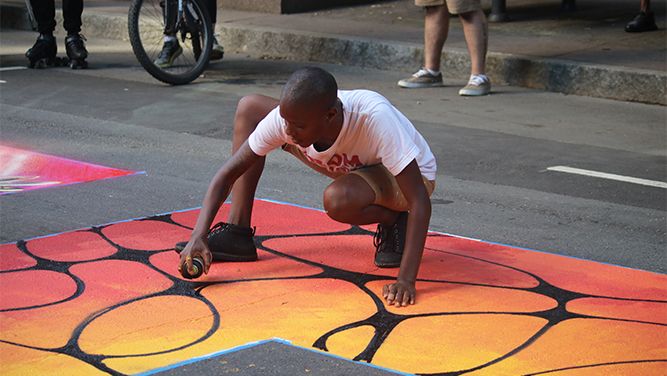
x=23, y=170
x=109, y=300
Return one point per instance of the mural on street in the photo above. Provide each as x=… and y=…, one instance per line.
x=109, y=299
x=23, y=170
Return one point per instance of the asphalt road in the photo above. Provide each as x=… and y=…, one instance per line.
x=493, y=152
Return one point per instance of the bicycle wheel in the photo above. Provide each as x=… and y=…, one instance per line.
x=146, y=26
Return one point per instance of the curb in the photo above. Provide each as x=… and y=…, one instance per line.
x=602, y=81
x=563, y=76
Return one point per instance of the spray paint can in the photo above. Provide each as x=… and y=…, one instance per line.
x=197, y=268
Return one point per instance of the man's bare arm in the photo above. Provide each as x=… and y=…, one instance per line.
x=217, y=193
x=411, y=183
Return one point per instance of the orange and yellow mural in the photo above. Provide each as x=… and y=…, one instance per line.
x=109, y=300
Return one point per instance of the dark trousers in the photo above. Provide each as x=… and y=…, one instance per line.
x=212, y=10
x=45, y=14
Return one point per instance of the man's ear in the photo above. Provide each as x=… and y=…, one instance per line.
x=331, y=113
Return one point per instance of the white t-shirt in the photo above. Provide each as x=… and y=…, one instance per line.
x=373, y=132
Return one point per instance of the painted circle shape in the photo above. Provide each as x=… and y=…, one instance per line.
x=145, y=326
x=31, y=288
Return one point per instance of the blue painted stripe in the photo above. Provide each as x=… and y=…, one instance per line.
x=204, y=357
x=250, y=345
x=290, y=204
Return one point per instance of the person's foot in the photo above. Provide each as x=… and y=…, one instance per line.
x=170, y=51
x=389, y=242
x=642, y=22
x=43, y=53
x=217, y=51
x=420, y=79
x=76, y=51
x=478, y=85
x=229, y=242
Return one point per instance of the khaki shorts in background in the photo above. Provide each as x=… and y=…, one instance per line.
x=454, y=6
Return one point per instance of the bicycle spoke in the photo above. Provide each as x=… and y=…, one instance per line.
x=147, y=21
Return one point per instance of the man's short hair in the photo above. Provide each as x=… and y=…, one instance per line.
x=311, y=86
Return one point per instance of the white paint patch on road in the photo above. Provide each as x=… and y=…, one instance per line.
x=3, y=82
x=4, y=69
x=604, y=175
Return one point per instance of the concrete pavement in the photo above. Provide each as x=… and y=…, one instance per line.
x=492, y=153
x=585, y=52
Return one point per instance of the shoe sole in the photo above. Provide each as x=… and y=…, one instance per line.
x=465, y=93
x=409, y=85
x=641, y=30
x=387, y=265
x=219, y=256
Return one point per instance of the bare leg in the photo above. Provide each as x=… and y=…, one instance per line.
x=349, y=199
x=644, y=20
x=250, y=111
x=436, y=28
x=645, y=6
x=476, y=34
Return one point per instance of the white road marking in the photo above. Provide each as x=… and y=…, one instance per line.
x=604, y=175
x=3, y=69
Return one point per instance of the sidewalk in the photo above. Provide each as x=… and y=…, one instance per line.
x=585, y=52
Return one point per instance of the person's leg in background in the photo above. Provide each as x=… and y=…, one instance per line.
x=72, y=10
x=171, y=49
x=644, y=21
x=475, y=30
x=45, y=15
x=43, y=52
x=76, y=49
x=436, y=29
x=217, y=52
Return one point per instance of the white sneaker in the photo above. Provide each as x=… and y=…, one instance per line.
x=478, y=85
x=422, y=78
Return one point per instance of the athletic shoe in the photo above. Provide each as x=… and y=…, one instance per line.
x=478, y=85
x=642, y=22
x=170, y=51
x=217, y=52
x=422, y=78
x=229, y=242
x=389, y=242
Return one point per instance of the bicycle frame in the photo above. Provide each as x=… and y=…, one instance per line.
x=175, y=13
x=31, y=15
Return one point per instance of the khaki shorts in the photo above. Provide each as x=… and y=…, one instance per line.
x=454, y=6
x=387, y=192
